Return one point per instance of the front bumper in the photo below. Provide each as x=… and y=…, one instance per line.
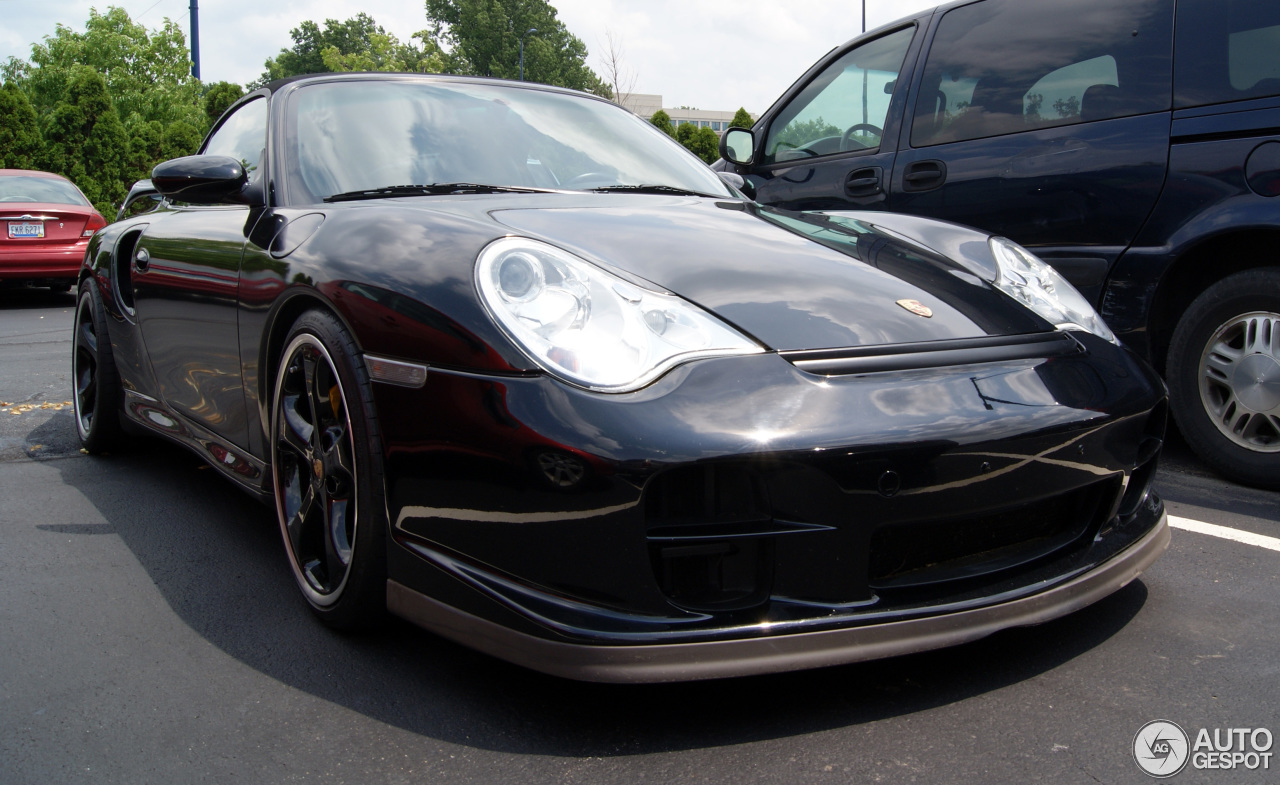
x=770, y=653
x=745, y=500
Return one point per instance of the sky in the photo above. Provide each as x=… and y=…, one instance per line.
x=707, y=54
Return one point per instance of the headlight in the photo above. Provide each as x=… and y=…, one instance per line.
x=590, y=327
x=1027, y=279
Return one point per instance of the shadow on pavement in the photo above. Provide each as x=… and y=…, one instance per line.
x=24, y=297
x=215, y=556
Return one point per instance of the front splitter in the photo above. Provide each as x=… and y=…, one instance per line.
x=669, y=662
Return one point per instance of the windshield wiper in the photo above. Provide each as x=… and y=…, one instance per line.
x=648, y=189
x=431, y=190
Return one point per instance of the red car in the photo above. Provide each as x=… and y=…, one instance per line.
x=47, y=225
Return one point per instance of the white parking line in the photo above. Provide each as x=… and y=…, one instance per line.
x=1226, y=533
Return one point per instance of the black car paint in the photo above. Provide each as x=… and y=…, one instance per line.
x=1140, y=213
x=830, y=460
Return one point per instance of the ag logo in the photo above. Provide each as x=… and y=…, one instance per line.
x=1160, y=748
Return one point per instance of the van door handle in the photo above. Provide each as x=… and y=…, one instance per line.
x=924, y=175
x=864, y=182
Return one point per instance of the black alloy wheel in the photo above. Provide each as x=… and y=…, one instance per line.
x=98, y=395
x=327, y=476
x=1224, y=376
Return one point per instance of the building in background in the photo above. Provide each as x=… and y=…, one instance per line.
x=647, y=104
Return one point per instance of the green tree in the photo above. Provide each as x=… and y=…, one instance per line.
x=741, y=119
x=685, y=132
x=86, y=142
x=702, y=142
x=358, y=44
x=110, y=102
x=386, y=53
x=662, y=121
x=150, y=143
x=21, y=145
x=147, y=74
x=483, y=38
x=219, y=97
x=706, y=145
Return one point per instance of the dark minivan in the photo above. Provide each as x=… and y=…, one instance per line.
x=1132, y=144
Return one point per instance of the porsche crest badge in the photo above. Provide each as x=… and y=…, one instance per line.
x=916, y=307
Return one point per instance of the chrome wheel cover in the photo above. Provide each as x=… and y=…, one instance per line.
x=1240, y=380
x=314, y=470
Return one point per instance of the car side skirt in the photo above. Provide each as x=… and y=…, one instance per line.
x=771, y=654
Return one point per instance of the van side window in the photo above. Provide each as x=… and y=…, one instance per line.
x=1058, y=97
x=844, y=108
x=1007, y=66
x=1228, y=50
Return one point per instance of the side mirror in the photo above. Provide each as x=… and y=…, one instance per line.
x=738, y=145
x=201, y=179
x=741, y=183
x=143, y=198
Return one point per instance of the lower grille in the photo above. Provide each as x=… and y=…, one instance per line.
x=923, y=553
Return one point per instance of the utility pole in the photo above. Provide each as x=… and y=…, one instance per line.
x=526, y=32
x=195, y=39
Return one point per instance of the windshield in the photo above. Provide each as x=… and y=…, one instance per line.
x=24, y=188
x=365, y=135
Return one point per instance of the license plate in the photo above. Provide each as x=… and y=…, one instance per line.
x=26, y=230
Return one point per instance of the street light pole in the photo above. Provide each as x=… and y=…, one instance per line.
x=526, y=32
x=195, y=39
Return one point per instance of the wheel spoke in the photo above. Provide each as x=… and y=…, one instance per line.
x=1219, y=363
x=337, y=543
x=312, y=373
x=299, y=501
x=1256, y=428
x=338, y=458
x=85, y=336
x=295, y=431
x=85, y=384
x=1257, y=335
x=1222, y=406
x=1273, y=428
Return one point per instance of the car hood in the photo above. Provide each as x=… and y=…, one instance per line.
x=791, y=280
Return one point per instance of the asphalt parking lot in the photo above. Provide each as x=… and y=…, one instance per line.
x=151, y=633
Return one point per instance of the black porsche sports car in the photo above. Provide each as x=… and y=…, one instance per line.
x=513, y=365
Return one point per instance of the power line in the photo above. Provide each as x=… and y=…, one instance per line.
x=144, y=13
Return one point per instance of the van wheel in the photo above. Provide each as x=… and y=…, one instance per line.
x=1224, y=376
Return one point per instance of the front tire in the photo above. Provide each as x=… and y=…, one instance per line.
x=98, y=396
x=327, y=474
x=1224, y=377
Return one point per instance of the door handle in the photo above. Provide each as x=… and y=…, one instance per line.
x=924, y=175
x=142, y=260
x=863, y=182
